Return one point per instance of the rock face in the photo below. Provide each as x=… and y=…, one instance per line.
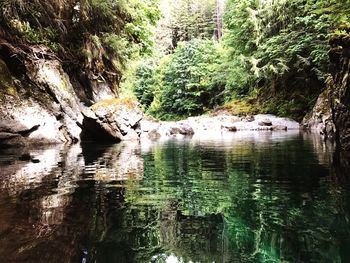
x=41, y=107
x=320, y=120
x=39, y=104
x=340, y=86
x=331, y=114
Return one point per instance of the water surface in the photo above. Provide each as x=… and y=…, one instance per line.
x=250, y=197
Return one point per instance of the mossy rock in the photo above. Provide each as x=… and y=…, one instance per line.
x=6, y=83
x=129, y=103
x=237, y=107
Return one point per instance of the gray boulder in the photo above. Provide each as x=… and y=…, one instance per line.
x=181, y=129
x=265, y=122
x=113, y=120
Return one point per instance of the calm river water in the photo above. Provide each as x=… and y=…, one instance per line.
x=250, y=197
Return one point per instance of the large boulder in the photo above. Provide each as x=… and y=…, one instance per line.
x=180, y=128
x=39, y=105
x=113, y=120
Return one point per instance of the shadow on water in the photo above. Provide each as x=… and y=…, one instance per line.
x=250, y=197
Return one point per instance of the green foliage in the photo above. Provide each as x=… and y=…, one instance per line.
x=193, y=19
x=144, y=85
x=184, y=84
x=276, y=48
x=280, y=48
x=187, y=81
x=185, y=20
x=337, y=10
x=101, y=35
x=275, y=52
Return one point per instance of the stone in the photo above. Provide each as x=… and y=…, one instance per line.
x=185, y=129
x=229, y=128
x=339, y=84
x=148, y=125
x=113, y=120
x=204, y=126
x=154, y=135
x=174, y=131
x=101, y=91
x=248, y=118
x=320, y=119
x=279, y=128
x=50, y=114
x=6, y=136
x=265, y=122
x=180, y=129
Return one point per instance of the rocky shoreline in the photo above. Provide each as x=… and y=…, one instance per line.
x=214, y=125
x=40, y=106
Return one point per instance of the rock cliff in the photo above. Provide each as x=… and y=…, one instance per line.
x=340, y=86
x=331, y=114
x=39, y=104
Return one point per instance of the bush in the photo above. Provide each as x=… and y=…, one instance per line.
x=184, y=83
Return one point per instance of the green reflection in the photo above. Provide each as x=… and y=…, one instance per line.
x=242, y=202
x=266, y=198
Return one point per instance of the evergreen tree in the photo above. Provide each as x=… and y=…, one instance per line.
x=186, y=20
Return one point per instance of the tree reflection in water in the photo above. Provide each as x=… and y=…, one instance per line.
x=252, y=197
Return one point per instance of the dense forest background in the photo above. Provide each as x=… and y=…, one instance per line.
x=187, y=57
x=246, y=56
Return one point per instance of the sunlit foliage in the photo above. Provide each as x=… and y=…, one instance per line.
x=184, y=83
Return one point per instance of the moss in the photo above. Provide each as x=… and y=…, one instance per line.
x=128, y=102
x=11, y=91
x=6, y=84
x=294, y=105
x=237, y=107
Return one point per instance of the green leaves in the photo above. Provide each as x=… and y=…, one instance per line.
x=284, y=46
x=185, y=20
x=189, y=79
x=101, y=35
x=184, y=83
x=275, y=52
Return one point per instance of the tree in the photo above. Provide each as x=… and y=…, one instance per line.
x=185, y=20
x=188, y=80
x=96, y=37
x=279, y=47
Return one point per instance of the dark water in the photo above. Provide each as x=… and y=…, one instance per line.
x=259, y=197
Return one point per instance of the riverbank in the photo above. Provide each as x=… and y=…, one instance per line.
x=214, y=125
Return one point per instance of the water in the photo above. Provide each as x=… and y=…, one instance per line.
x=251, y=197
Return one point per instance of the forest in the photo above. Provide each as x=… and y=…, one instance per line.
x=189, y=57
x=241, y=56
